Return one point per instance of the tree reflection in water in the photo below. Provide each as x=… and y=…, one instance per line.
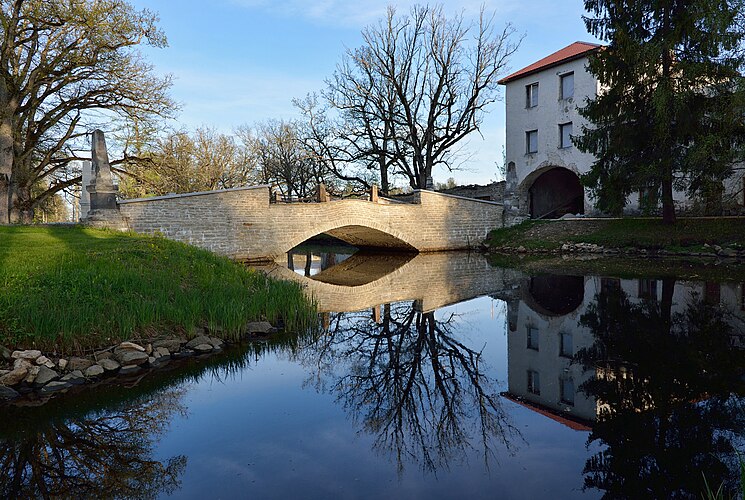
x=415, y=387
x=101, y=455
x=670, y=394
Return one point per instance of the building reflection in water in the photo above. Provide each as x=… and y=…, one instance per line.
x=653, y=367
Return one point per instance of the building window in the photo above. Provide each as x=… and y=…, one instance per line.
x=534, y=382
x=565, y=135
x=566, y=385
x=567, y=86
x=610, y=285
x=531, y=141
x=531, y=95
x=566, y=346
x=648, y=289
x=533, y=338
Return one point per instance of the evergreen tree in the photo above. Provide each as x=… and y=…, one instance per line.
x=669, y=113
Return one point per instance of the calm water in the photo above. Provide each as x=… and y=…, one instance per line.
x=431, y=376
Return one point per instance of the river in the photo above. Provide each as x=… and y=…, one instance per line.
x=428, y=376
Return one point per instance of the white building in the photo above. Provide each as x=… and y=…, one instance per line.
x=543, y=166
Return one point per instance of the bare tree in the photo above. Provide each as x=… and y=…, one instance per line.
x=415, y=89
x=64, y=65
x=282, y=158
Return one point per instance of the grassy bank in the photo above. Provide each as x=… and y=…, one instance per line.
x=75, y=288
x=685, y=236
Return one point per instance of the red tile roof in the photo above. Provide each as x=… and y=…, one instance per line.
x=572, y=422
x=569, y=53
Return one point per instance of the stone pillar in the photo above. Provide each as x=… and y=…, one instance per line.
x=323, y=195
x=103, y=208
x=85, y=197
x=374, y=193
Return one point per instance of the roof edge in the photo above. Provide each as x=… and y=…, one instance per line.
x=591, y=47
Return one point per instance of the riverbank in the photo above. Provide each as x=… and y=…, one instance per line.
x=71, y=290
x=699, y=237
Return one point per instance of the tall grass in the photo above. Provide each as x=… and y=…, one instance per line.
x=77, y=287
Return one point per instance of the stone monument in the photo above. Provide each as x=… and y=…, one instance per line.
x=103, y=208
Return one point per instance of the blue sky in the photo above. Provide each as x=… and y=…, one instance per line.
x=243, y=61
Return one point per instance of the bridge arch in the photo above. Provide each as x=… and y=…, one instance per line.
x=360, y=233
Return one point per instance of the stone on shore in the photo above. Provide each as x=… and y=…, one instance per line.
x=15, y=376
x=94, y=371
x=131, y=345
x=109, y=364
x=75, y=378
x=62, y=364
x=130, y=356
x=45, y=376
x=202, y=339
x=79, y=364
x=202, y=348
x=258, y=327
x=31, y=354
x=172, y=345
x=5, y=353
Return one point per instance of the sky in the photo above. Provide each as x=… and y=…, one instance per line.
x=240, y=62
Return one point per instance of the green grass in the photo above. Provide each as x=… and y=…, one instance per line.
x=74, y=287
x=684, y=235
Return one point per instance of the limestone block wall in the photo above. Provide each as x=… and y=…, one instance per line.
x=242, y=224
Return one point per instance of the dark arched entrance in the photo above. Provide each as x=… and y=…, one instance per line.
x=555, y=295
x=556, y=192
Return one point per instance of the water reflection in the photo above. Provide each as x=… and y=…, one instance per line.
x=654, y=367
x=100, y=455
x=410, y=381
x=670, y=393
x=102, y=443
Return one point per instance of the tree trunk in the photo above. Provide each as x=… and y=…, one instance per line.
x=21, y=204
x=668, y=206
x=383, y=176
x=6, y=153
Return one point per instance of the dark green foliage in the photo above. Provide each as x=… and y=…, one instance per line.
x=669, y=114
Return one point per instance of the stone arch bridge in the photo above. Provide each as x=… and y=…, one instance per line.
x=242, y=224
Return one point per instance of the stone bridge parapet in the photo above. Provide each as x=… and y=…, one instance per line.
x=241, y=223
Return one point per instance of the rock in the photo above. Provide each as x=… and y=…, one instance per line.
x=5, y=353
x=75, y=378
x=4, y=372
x=202, y=348
x=55, y=386
x=45, y=376
x=94, y=371
x=129, y=369
x=15, y=377
x=30, y=354
x=7, y=394
x=171, y=345
x=727, y=252
x=103, y=355
x=202, y=339
x=31, y=375
x=130, y=356
x=162, y=351
x=109, y=364
x=131, y=345
x=258, y=327
x=149, y=349
x=79, y=364
x=22, y=363
x=521, y=249
x=717, y=248
x=41, y=360
x=62, y=363
x=216, y=342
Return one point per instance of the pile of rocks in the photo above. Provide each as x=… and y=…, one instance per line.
x=31, y=371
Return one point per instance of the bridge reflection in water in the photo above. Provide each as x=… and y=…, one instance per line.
x=362, y=281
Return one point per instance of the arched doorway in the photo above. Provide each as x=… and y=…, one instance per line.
x=556, y=192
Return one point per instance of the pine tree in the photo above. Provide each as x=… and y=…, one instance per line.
x=670, y=109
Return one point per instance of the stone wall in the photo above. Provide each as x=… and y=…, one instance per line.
x=490, y=192
x=242, y=224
